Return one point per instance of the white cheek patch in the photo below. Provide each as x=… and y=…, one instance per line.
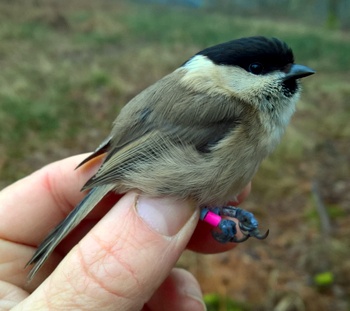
x=202, y=75
x=198, y=62
x=245, y=84
x=228, y=80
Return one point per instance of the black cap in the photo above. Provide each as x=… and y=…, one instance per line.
x=271, y=53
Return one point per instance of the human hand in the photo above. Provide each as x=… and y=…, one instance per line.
x=125, y=262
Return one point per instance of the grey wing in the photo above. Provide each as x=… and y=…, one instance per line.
x=155, y=142
x=149, y=127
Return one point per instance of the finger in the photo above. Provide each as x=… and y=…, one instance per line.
x=202, y=240
x=31, y=207
x=179, y=292
x=10, y=296
x=123, y=259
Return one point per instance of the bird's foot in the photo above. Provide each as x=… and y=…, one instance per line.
x=226, y=228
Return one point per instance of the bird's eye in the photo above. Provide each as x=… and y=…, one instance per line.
x=256, y=68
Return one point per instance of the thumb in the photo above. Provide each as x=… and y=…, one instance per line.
x=121, y=262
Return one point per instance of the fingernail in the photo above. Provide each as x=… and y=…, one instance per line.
x=193, y=304
x=165, y=215
x=195, y=297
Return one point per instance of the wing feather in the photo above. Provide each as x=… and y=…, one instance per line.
x=147, y=127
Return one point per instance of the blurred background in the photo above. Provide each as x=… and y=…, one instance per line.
x=67, y=67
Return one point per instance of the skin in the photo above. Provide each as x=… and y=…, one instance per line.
x=111, y=267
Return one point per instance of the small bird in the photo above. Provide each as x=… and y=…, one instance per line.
x=200, y=132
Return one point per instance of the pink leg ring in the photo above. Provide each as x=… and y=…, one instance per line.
x=212, y=219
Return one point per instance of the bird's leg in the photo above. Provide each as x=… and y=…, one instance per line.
x=227, y=228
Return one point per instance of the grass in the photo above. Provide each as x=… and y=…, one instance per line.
x=68, y=68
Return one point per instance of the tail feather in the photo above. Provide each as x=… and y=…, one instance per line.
x=65, y=227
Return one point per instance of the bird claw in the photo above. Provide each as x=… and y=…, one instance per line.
x=258, y=235
x=226, y=228
x=255, y=234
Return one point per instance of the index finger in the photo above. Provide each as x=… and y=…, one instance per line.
x=202, y=240
x=32, y=206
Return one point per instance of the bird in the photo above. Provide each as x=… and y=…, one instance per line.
x=199, y=132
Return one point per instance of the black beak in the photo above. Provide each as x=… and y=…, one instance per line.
x=298, y=71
